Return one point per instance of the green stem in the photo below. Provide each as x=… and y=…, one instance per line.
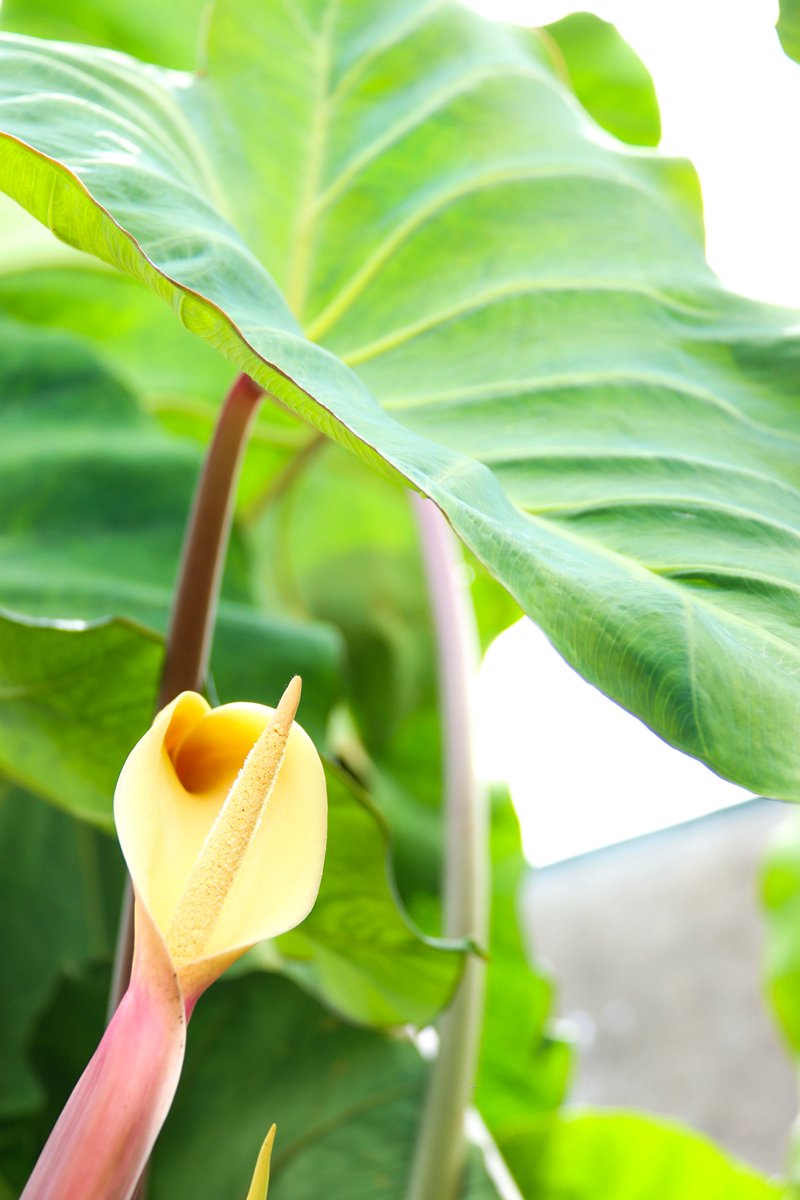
x=439, y=1156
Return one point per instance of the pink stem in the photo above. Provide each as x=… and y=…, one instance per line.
x=103, y=1138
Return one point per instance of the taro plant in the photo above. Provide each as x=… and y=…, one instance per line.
x=403, y=274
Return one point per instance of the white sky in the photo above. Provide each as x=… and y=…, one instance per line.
x=584, y=773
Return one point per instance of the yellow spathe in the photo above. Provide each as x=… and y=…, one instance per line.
x=239, y=871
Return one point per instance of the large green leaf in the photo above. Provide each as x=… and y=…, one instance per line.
x=610, y=80
x=626, y=1156
x=789, y=28
x=613, y=435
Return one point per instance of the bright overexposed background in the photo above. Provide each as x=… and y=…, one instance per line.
x=583, y=773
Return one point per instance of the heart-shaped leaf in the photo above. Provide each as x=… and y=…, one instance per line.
x=613, y=435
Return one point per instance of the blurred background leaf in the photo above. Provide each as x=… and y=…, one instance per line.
x=74, y=702
x=609, y=79
x=60, y=888
x=123, y=322
x=789, y=27
x=780, y=894
x=154, y=32
x=627, y=1156
x=347, y=1100
x=524, y=1069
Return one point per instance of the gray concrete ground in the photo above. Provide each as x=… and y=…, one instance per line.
x=656, y=946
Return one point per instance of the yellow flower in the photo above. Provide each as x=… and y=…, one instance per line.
x=221, y=815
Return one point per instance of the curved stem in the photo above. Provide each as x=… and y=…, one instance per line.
x=439, y=1153
x=194, y=609
x=206, y=545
